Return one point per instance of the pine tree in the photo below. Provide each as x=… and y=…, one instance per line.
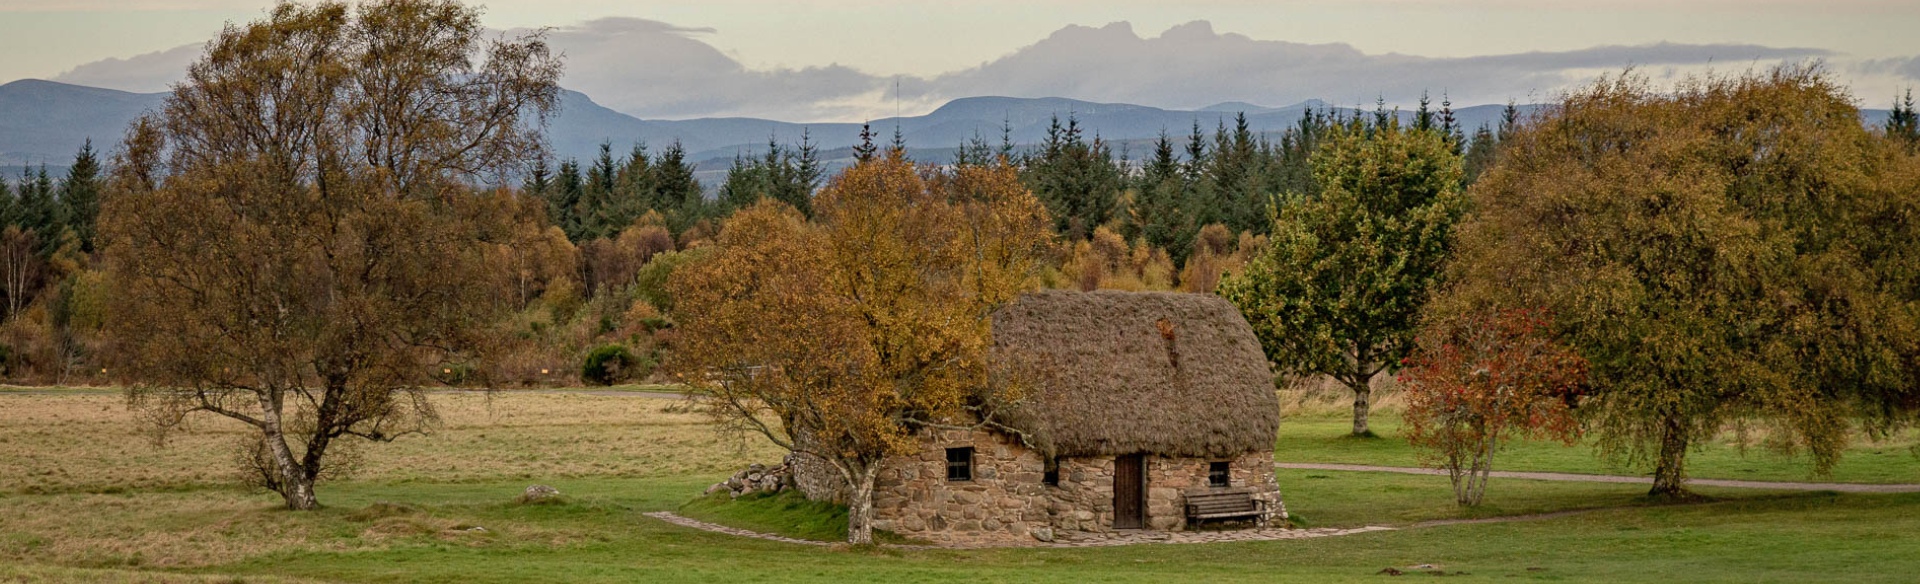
x=39, y=210
x=1077, y=180
x=563, y=200
x=1509, y=120
x=9, y=206
x=1903, y=124
x=1233, y=191
x=973, y=152
x=1161, y=213
x=863, y=152
x=599, y=213
x=638, y=187
x=1480, y=154
x=80, y=196
x=539, y=178
x=1423, y=119
x=801, y=175
x=1196, y=153
x=678, y=189
x=1449, y=125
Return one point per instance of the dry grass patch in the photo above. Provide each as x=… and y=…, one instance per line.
x=57, y=575
x=90, y=443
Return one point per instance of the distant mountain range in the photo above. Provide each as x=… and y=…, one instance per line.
x=44, y=122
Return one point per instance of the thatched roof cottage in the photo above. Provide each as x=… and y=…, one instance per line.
x=1145, y=410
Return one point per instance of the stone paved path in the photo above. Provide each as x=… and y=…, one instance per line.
x=1078, y=540
x=1592, y=478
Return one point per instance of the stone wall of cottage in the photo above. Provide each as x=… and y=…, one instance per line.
x=1083, y=501
x=1005, y=499
x=1008, y=499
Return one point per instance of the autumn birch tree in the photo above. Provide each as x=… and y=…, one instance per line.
x=296, y=241
x=842, y=338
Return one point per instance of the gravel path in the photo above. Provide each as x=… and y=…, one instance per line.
x=1074, y=540
x=1592, y=478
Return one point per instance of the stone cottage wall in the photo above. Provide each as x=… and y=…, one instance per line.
x=1005, y=500
x=1084, y=499
x=911, y=494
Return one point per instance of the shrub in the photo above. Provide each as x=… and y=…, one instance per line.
x=1485, y=379
x=610, y=364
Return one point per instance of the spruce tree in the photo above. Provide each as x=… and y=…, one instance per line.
x=1077, y=180
x=80, y=196
x=39, y=210
x=563, y=200
x=1423, y=118
x=863, y=151
x=1161, y=213
x=599, y=216
x=1480, y=154
x=637, y=185
x=1903, y=124
x=678, y=190
x=1509, y=121
x=539, y=178
x=801, y=174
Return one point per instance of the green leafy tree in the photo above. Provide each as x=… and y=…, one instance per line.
x=1730, y=250
x=1339, y=290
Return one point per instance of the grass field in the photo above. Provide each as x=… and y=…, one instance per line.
x=85, y=497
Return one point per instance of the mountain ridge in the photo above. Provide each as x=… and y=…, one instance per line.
x=44, y=122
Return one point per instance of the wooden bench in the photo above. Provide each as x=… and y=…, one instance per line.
x=1225, y=504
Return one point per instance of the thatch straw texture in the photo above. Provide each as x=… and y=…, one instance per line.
x=1112, y=372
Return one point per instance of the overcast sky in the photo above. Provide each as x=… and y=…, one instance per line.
x=816, y=60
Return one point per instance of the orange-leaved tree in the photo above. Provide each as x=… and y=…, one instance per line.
x=295, y=240
x=842, y=337
x=1484, y=378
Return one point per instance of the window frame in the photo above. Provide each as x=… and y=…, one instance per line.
x=1220, y=474
x=965, y=466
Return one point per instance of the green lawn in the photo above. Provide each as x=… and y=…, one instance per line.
x=1324, y=439
x=1748, y=537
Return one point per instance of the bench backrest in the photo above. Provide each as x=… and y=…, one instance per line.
x=1220, y=502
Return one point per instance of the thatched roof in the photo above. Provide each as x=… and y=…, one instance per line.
x=1113, y=372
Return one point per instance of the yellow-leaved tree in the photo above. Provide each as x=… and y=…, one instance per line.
x=842, y=337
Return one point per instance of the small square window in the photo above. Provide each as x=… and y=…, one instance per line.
x=960, y=464
x=1219, y=474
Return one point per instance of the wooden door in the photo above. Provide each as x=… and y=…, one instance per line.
x=1130, y=492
